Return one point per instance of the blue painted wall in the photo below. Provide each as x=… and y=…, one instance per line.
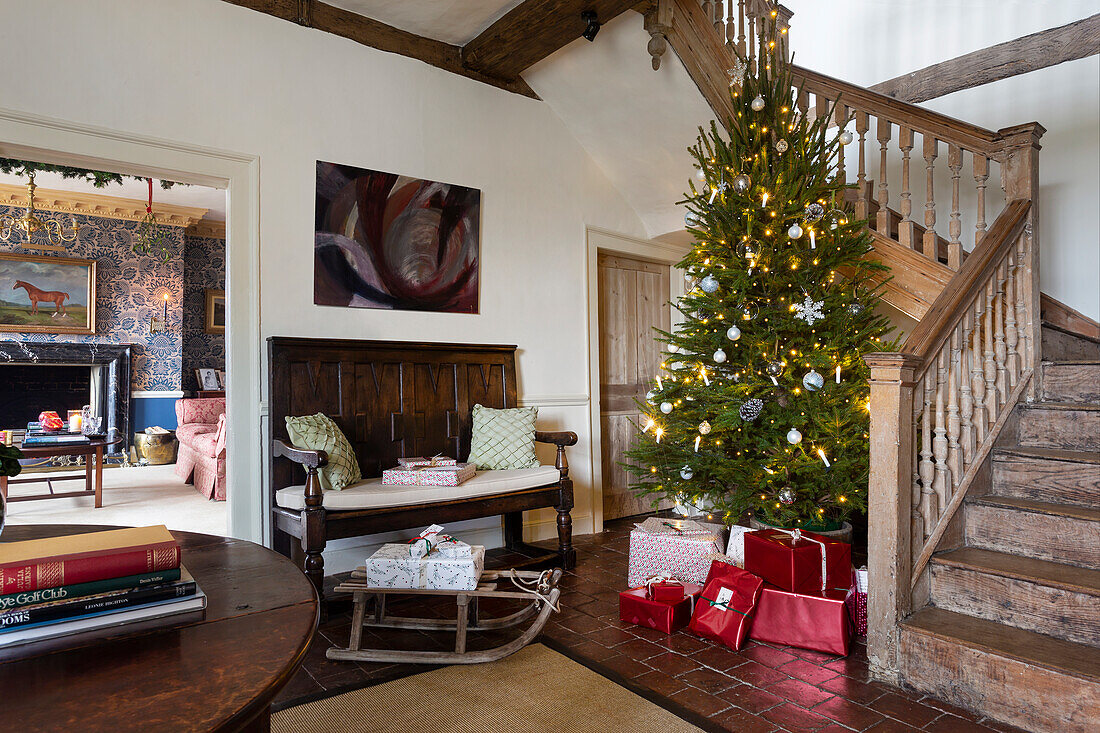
x=150, y=411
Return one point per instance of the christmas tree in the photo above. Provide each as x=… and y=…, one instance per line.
x=761, y=403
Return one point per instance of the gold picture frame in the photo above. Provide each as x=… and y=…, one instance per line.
x=52, y=294
x=214, y=322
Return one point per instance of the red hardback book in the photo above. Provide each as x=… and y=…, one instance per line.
x=84, y=558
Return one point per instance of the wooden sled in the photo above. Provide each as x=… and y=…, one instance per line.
x=543, y=598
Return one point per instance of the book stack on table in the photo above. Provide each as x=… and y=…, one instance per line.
x=95, y=582
x=36, y=436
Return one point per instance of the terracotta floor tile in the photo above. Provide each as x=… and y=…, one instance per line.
x=766, y=655
x=800, y=693
x=661, y=683
x=792, y=717
x=854, y=690
x=673, y=663
x=684, y=643
x=709, y=680
x=639, y=649
x=581, y=623
x=718, y=657
x=737, y=720
x=949, y=708
x=751, y=698
x=807, y=671
x=610, y=636
x=700, y=702
x=889, y=725
x=848, y=713
x=954, y=724
x=625, y=666
x=999, y=726
x=756, y=674
x=905, y=708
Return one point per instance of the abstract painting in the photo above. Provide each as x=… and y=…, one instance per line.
x=389, y=241
x=46, y=294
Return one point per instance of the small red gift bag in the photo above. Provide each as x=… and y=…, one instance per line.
x=817, y=621
x=801, y=562
x=725, y=608
x=667, y=616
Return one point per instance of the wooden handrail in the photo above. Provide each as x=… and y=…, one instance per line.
x=934, y=329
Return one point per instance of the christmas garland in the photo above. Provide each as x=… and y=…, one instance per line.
x=99, y=179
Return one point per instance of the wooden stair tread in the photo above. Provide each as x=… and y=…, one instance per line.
x=1049, y=454
x=1042, y=507
x=1061, y=406
x=1043, y=572
x=1072, y=362
x=1063, y=657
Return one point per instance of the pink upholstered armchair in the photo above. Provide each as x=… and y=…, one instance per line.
x=200, y=429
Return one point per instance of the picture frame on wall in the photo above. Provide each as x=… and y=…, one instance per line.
x=40, y=294
x=215, y=311
x=208, y=379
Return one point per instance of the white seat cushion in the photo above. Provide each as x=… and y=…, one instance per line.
x=373, y=494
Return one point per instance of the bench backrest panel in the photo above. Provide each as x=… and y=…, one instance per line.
x=391, y=398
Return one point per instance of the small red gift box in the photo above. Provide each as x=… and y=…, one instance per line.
x=666, y=590
x=666, y=616
x=725, y=609
x=817, y=621
x=796, y=561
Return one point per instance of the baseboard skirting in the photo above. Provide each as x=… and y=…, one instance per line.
x=553, y=400
x=138, y=394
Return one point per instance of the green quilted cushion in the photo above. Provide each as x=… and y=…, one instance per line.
x=319, y=432
x=503, y=438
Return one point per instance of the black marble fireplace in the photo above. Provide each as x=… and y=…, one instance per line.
x=36, y=376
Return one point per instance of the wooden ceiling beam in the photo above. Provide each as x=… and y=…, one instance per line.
x=369, y=32
x=1029, y=53
x=533, y=30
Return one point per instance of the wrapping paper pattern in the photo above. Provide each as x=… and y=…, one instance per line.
x=795, y=563
x=674, y=548
x=817, y=621
x=666, y=616
x=392, y=567
x=429, y=475
x=735, y=550
x=422, y=461
x=857, y=602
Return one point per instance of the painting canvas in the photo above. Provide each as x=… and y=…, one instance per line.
x=389, y=241
x=215, y=311
x=46, y=294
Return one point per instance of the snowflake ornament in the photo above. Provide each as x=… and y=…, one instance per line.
x=737, y=73
x=810, y=310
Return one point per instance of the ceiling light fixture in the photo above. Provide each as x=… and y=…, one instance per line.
x=593, y=25
x=30, y=225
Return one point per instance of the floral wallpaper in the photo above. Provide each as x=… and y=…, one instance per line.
x=130, y=288
x=203, y=267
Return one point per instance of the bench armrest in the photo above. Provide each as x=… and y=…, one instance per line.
x=307, y=458
x=560, y=439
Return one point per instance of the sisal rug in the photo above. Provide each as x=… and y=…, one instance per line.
x=534, y=690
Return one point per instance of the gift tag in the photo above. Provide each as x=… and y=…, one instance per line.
x=725, y=595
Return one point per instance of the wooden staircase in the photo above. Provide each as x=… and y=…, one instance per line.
x=984, y=527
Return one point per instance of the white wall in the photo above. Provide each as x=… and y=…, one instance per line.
x=870, y=41
x=211, y=74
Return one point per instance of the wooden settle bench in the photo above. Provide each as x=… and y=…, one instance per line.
x=394, y=399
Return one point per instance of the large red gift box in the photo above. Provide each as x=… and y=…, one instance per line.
x=725, y=609
x=817, y=621
x=795, y=560
x=667, y=616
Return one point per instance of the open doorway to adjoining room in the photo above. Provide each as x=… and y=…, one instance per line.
x=113, y=316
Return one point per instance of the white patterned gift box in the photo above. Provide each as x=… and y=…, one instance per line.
x=429, y=475
x=391, y=567
x=675, y=548
x=418, y=461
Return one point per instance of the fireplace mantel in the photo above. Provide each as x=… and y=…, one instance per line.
x=114, y=359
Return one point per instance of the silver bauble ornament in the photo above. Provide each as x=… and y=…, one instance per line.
x=813, y=381
x=733, y=333
x=855, y=308
x=757, y=104
x=708, y=284
x=786, y=495
x=719, y=356
x=701, y=174
x=692, y=219
x=672, y=348
x=666, y=407
x=781, y=145
x=773, y=368
x=794, y=232
x=649, y=396
x=813, y=212
x=846, y=137
x=686, y=473
x=704, y=428
x=794, y=437
x=748, y=248
x=741, y=183
x=748, y=312
x=750, y=409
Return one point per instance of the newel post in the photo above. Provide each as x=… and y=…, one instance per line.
x=1020, y=178
x=889, y=510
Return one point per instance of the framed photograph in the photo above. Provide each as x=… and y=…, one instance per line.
x=46, y=294
x=221, y=380
x=384, y=240
x=215, y=311
x=208, y=379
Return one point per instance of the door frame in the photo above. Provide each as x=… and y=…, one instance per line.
x=37, y=137
x=602, y=240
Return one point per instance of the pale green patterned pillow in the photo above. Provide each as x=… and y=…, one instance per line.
x=503, y=438
x=319, y=432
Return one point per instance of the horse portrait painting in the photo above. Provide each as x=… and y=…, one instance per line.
x=46, y=294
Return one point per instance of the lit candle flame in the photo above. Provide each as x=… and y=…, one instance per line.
x=648, y=425
x=659, y=432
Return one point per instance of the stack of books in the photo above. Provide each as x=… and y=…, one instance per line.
x=35, y=436
x=83, y=583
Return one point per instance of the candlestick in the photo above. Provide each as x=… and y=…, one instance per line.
x=813, y=240
x=824, y=459
x=838, y=374
x=764, y=205
x=698, y=438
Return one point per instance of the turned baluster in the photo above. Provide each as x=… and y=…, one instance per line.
x=929, y=508
x=753, y=61
x=917, y=533
x=1012, y=334
x=931, y=150
x=708, y=8
x=862, y=202
x=731, y=22
x=954, y=423
x=803, y=102
x=821, y=106
x=905, y=228
x=1000, y=351
x=884, y=131
x=992, y=405
x=977, y=375
x=954, y=249
x=741, y=49
x=840, y=118
x=719, y=22
x=981, y=175
x=966, y=397
x=939, y=442
x=1021, y=303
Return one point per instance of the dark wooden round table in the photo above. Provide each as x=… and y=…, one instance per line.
x=218, y=674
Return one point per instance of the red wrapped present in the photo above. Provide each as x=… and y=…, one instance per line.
x=817, y=621
x=857, y=602
x=666, y=616
x=801, y=562
x=664, y=589
x=725, y=609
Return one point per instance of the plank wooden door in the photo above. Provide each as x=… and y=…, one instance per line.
x=633, y=299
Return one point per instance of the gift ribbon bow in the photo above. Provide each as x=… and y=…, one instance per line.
x=725, y=606
x=796, y=535
x=430, y=537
